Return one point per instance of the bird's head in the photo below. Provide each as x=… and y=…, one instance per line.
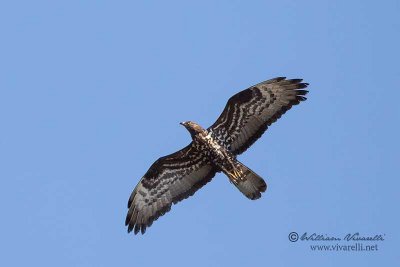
x=192, y=127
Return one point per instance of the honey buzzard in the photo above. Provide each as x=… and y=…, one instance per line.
x=245, y=118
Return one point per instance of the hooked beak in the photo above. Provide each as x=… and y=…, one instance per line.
x=182, y=123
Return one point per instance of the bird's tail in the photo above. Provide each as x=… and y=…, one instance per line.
x=247, y=181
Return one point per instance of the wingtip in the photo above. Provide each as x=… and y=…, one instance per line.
x=296, y=80
x=137, y=229
x=127, y=219
x=301, y=92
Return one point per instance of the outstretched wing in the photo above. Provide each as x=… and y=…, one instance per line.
x=248, y=114
x=169, y=180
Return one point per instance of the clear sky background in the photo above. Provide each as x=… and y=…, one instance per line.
x=92, y=93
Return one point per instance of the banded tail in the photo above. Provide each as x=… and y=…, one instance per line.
x=247, y=181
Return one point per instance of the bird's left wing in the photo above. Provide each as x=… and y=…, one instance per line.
x=248, y=114
x=169, y=180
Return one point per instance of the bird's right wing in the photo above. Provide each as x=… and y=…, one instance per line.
x=169, y=180
x=248, y=114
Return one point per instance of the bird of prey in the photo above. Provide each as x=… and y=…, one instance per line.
x=245, y=118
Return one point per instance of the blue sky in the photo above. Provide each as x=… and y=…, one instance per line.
x=92, y=93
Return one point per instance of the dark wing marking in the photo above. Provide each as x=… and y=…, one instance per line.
x=169, y=180
x=248, y=114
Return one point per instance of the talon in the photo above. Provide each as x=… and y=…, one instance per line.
x=238, y=173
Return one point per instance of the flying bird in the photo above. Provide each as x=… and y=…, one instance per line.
x=177, y=176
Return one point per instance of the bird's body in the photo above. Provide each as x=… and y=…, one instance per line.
x=220, y=157
x=245, y=118
x=204, y=142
